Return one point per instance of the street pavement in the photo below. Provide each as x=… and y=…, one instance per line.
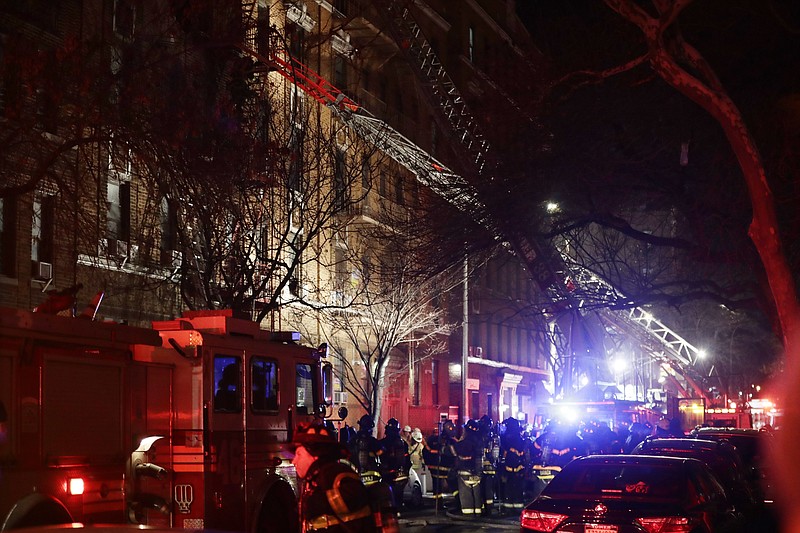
x=432, y=515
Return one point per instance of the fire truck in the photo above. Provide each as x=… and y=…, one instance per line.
x=182, y=425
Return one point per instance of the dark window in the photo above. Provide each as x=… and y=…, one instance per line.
x=434, y=382
x=264, y=382
x=339, y=181
x=384, y=186
x=227, y=377
x=296, y=37
x=295, y=177
x=475, y=405
x=417, y=385
x=398, y=190
x=366, y=174
x=124, y=18
x=8, y=237
x=169, y=225
x=339, y=73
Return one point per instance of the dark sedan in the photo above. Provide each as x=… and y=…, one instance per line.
x=720, y=456
x=631, y=494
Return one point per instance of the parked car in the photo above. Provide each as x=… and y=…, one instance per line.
x=753, y=446
x=631, y=494
x=720, y=456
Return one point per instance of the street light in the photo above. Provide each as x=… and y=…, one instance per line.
x=619, y=365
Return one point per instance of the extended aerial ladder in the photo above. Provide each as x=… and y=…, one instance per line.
x=674, y=353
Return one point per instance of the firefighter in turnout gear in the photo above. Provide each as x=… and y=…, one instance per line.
x=439, y=456
x=333, y=499
x=469, y=466
x=365, y=451
x=491, y=456
x=513, y=450
x=395, y=461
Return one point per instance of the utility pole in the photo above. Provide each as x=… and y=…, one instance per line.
x=465, y=345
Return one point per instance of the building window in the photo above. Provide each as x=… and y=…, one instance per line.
x=8, y=237
x=366, y=174
x=417, y=384
x=398, y=190
x=471, y=44
x=43, y=229
x=384, y=185
x=340, y=73
x=124, y=18
x=119, y=209
x=434, y=382
x=339, y=180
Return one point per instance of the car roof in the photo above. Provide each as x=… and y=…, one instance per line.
x=685, y=443
x=633, y=459
x=728, y=431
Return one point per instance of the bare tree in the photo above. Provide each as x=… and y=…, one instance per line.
x=390, y=307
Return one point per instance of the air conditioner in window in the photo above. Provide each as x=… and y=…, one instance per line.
x=476, y=351
x=299, y=15
x=339, y=397
x=340, y=42
x=133, y=252
x=122, y=249
x=44, y=271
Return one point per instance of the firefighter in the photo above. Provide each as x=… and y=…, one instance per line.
x=365, y=451
x=469, y=466
x=513, y=450
x=395, y=461
x=333, y=499
x=490, y=457
x=439, y=456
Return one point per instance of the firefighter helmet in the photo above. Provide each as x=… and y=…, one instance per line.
x=313, y=433
x=448, y=428
x=366, y=422
x=472, y=426
x=393, y=423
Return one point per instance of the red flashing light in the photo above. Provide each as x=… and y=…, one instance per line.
x=75, y=486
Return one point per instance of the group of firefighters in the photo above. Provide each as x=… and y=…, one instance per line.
x=487, y=469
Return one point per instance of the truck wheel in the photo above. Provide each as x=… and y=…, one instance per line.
x=278, y=511
x=36, y=510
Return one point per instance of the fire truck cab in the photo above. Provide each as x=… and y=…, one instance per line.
x=237, y=393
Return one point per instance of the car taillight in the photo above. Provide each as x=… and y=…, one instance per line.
x=540, y=520
x=667, y=524
x=75, y=486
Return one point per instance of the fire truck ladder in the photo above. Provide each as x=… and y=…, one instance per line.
x=432, y=173
x=676, y=355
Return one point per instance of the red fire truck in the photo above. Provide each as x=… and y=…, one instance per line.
x=183, y=425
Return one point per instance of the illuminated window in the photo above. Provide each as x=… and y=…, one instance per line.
x=227, y=378
x=304, y=385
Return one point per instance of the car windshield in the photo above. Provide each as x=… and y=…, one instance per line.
x=623, y=481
